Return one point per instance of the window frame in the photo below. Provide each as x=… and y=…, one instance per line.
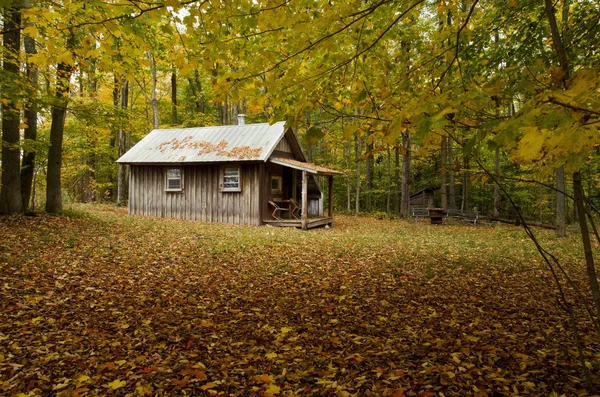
x=167, y=179
x=223, y=176
x=279, y=180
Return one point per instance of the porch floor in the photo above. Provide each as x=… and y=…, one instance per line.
x=312, y=222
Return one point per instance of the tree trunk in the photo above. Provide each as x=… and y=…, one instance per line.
x=405, y=204
x=11, y=201
x=357, y=199
x=59, y=112
x=451, y=177
x=154, y=101
x=389, y=181
x=174, y=97
x=496, y=209
x=348, y=188
x=199, y=93
x=561, y=227
x=443, y=181
x=30, y=133
x=397, y=179
x=466, y=182
x=585, y=237
x=370, y=167
x=121, y=173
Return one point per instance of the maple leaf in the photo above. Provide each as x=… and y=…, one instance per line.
x=117, y=384
x=272, y=390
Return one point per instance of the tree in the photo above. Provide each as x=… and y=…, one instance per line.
x=11, y=201
x=59, y=113
x=31, y=119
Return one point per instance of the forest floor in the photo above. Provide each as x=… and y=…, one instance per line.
x=102, y=303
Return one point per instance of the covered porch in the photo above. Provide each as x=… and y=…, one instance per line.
x=309, y=212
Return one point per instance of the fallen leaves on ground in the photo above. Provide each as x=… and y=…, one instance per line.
x=108, y=304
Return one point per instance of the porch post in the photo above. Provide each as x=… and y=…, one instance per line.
x=304, y=200
x=330, y=201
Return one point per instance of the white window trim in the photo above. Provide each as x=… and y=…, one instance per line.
x=180, y=189
x=222, y=179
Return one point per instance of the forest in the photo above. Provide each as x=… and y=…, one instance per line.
x=449, y=95
x=495, y=106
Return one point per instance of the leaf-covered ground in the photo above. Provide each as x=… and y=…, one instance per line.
x=102, y=303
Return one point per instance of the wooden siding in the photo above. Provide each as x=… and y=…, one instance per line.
x=422, y=200
x=284, y=146
x=200, y=198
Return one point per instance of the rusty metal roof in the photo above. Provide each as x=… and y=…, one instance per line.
x=302, y=166
x=231, y=143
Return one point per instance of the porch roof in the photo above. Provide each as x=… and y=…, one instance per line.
x=302, y=166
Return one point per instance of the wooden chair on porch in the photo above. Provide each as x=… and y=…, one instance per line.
x=276, y=209
x=296, y=209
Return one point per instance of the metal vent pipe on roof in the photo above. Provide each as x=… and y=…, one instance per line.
x=241, y=119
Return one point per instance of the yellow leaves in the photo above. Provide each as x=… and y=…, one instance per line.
x=143, y=390
x=271, y=355
x=81, y=379
x=60, y=386
x=37, y=320
x=117, y=384
x=285, y=330
x=530, y=146
x=272, y=390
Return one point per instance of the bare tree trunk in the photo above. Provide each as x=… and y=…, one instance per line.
x=397, y=179
x=31, y=115
x=389, y=181
x=443, y=181
x=59, y=113
x=199, y=93
x=466, y=182
x=405, y=204
x=348, y=188
x=358, y=151
x=370, y=167
x=11, y=201
x=154, y=101
x=496, y=209
x=585, y=237
x=121, y=173
x=174, y=97
x=451, y=177
x=561, y=227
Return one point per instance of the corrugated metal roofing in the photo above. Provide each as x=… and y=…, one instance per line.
x=249, y=142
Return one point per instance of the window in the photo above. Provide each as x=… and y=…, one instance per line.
x=231, y=179
x=275, y=184
x=174, y=179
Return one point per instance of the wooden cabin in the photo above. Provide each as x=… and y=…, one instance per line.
x=424, y=198
x=227, y=174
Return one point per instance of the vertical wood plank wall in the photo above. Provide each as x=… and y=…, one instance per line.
x=200, y=199
x=284, y=146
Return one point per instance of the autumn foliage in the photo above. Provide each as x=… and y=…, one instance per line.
x=101, y=303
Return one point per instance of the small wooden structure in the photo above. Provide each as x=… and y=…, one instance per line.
x=424, y=198
x=226, y=174
x=436, y=215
